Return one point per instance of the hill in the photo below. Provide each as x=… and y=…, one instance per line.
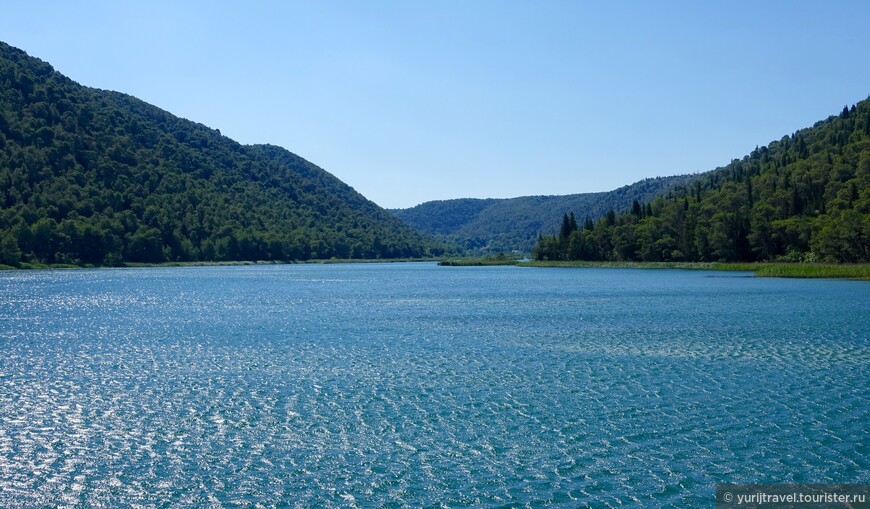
x=90, y=176
x=514, y=224
x=805, y=197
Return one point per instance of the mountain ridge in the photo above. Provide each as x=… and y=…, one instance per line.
x=483, y=225
x=826, y=168
x=90, y=176
x=805, y=197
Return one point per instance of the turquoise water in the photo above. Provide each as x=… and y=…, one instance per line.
x=409, y=385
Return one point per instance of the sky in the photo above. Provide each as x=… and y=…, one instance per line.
x=411, y=101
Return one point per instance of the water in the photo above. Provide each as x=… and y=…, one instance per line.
x=409, y=385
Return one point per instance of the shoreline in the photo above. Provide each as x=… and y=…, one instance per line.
x=138, y=265
x=852, y=271
x=855, y=271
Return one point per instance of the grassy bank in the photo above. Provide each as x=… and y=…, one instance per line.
x=622, y=265
x=791, y=270
x=801, y=270
x=38, y=266
x=796, y=270
x=500, y=259
x=370, y=260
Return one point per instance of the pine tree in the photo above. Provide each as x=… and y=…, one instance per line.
x=565, y=231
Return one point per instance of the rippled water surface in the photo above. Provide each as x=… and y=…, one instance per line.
x=408, y=385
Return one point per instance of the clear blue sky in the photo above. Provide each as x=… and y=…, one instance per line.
x=410, y=101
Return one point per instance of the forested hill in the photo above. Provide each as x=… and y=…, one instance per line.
x=96, y=177
x=805, y=197
x=499, y=225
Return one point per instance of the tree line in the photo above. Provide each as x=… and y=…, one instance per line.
x=95, y=177
x=805, y=197
x=513, y=224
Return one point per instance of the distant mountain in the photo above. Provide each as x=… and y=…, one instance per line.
x=514, y=224
x=90, y=176
x=803, y=198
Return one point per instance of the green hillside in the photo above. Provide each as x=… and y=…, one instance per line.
x=803, y=198
x=97, y=177
x=514, y=224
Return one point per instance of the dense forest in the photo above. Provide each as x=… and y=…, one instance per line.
x=96, y=177
x=513, y=224
x=805, y=197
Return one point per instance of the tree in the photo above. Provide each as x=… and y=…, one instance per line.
x=45, y=239
x=588, y=224
x=567, y=227
x=547, y=249
x=95, y=177
x=146, y=245
x=10, y=254
x=842, y=237
x=761, y=238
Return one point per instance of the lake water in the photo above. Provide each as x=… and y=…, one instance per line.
x=409, y=385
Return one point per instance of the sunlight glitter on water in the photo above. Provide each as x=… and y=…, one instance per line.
x=417, y=385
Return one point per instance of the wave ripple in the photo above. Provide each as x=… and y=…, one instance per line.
x=410, y=385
